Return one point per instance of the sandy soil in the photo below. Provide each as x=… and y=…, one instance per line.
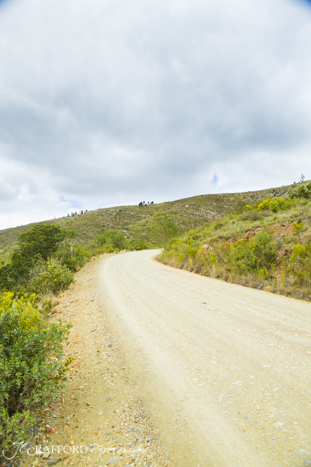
x=172, y=368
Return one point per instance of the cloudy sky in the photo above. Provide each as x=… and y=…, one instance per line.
x=109, y=102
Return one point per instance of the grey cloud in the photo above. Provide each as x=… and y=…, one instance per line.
x=116, y=100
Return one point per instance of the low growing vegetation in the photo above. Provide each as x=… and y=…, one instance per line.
x=266, y=245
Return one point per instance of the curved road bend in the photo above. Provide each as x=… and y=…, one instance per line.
x=227, y=367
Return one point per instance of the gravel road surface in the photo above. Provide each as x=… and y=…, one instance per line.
x=226, y=369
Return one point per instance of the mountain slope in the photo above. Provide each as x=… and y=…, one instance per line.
x=188, y=213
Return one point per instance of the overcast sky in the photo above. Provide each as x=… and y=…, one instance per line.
x=110, y=102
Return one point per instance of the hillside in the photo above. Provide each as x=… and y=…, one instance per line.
x=265, y=245
x=188, y=213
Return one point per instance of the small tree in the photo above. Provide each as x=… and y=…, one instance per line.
x=163, y=227
x=38, y=244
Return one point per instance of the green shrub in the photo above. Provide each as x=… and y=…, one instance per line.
x=283, y=203
x=41, y=241
x=32, y=367
x=265, y=249
x=264, y=204
x=72, y=255
x=300, y=263
x=191, y=252
x=7, y=278
x=34, y=246
x=46, y=307
x=112, y=240
x=50, y=276
x=274, y=205
x=298, y=227
x=213, y=260
x=138, y=245
x=256, y=255
x=163, y=227
x=302, y=191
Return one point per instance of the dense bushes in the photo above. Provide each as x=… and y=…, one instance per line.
x=300, y=263
x=115, y=240
x=302, y=191
x=267, y=245
x=38, y=244
x=256, y=256
x=50, y=276
x=43, y=261
x=275, y=204
x=32, y=366
x=112, y=240
x=71, y=255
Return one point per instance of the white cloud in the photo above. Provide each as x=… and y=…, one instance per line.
x=114, y=102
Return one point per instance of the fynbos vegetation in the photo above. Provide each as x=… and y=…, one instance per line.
x=32, y=365
x=32, y=362
x=266, y=245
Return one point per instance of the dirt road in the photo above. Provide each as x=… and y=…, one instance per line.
x=100, y=417
x=226, y=369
